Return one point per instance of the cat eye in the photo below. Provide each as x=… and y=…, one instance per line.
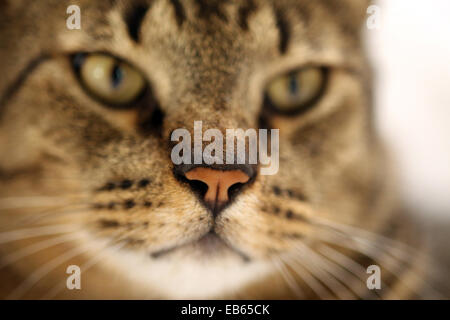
x=109, y=79
x=296, y=91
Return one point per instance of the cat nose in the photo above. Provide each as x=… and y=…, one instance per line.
x=217, y=186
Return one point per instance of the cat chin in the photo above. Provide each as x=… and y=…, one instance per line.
x=206, y=249
x=187, y=273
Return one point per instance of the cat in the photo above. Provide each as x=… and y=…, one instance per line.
x=86, y=117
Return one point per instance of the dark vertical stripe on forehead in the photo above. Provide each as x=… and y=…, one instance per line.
x=283, y=29
x=180, y=15
x=133, y=19
x=209, y=8
x=244, y=12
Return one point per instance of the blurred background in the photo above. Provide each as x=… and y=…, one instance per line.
x=411, y=56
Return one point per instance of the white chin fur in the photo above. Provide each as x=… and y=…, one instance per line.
x=181, y=275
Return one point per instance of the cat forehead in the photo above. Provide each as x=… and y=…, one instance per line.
x=165, y=20
x=144, y=18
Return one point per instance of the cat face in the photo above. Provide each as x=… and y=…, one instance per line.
x=67, y=133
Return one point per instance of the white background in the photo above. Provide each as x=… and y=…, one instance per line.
x=411, y=55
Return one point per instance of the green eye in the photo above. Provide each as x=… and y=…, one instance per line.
x=109, y=79
x=296, y=91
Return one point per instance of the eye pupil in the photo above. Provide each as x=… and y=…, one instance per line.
x=116, y=76
x=293, y=85
x=78, y=60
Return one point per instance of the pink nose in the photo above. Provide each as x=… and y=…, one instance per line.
x=218, y=182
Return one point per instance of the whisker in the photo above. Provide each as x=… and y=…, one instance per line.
x=327, y=275
x=288, y=278
x=21, y=234
x=121, y=242
x=396, y=249
x=315, y=285
x=346, y=277
x=39, y=246
x=76, y=209
x=390, y=263
x=31, y=202
x=346, y=262
x=84, y=268
x=364, y=247
x=41, y=272
x=399, y=247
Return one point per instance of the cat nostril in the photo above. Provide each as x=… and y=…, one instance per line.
x=216, y=187
x=235, y=189
x=199, y=187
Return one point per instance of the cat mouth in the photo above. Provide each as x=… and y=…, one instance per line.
x=209, y=245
